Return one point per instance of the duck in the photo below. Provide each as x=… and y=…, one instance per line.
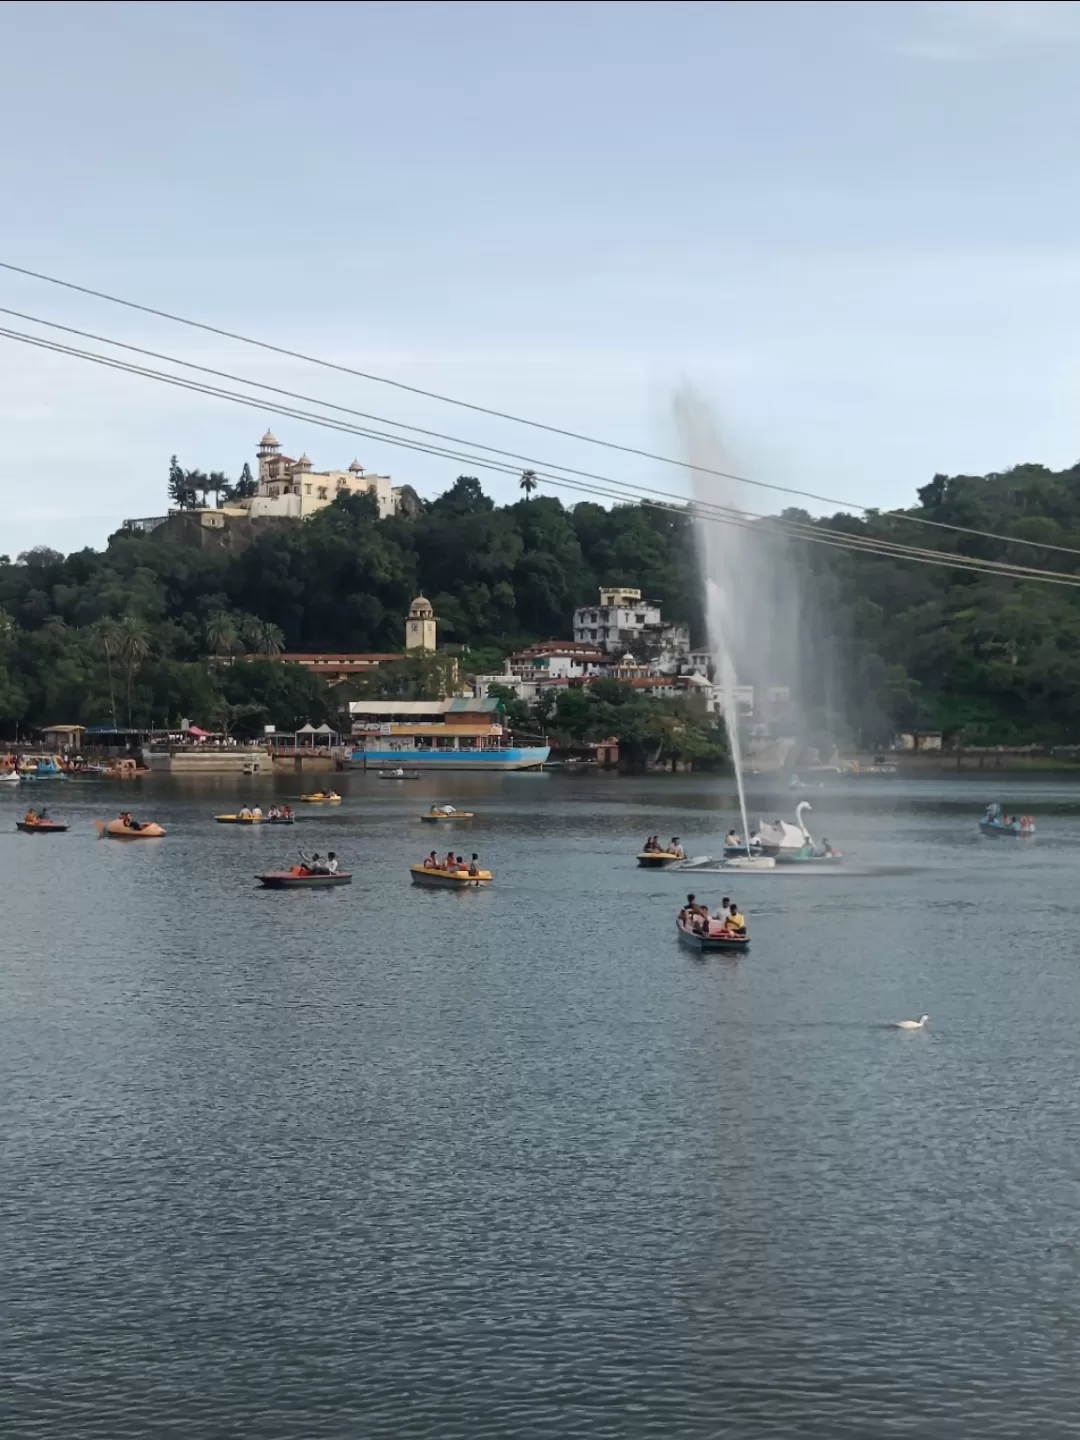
x=911, y=1024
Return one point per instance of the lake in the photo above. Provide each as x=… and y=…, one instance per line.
x=386, y=1162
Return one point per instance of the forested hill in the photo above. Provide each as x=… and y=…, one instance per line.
x=896, y=644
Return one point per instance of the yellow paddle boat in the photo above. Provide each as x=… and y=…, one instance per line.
x=125, y=828
x=437, y=879
x=322, y=797
x=445, y=812
x=658, y=859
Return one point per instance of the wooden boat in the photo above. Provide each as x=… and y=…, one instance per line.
x=445, y=812
x=399, y=775
x=253, y=819
x=449, y=879
x=994, y=823
x=658, y=859
x=300, y=879
x=41, y=827
x=117, y=830
x=714, y=943
x=321, y=797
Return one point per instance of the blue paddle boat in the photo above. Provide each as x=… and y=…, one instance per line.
x=995, y=823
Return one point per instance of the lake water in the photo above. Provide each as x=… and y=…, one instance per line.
x=386, y=1162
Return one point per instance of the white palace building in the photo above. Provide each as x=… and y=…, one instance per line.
x=294, y=490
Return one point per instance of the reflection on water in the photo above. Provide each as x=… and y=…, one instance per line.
x=388, y=1162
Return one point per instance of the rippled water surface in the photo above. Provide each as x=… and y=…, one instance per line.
x=385, y=1162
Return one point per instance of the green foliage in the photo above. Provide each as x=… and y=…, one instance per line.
x=157, y=631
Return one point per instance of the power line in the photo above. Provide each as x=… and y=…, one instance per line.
x=717, y=514
x=900, y=515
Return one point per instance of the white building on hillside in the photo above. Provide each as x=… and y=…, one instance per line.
x=292, y=488
x=623, y=619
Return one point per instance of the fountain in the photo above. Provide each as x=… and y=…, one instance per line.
x=738, y=611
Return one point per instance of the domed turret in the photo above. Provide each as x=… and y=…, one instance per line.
x=269, y=441
x=421, y=626
x=304, y=463
x=356, y=468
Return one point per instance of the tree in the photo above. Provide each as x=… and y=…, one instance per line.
x=180, y=491
x=197, y=484
x=134, y=648
x=217, y=483
x=244, y=488
x=528, y=482
x=223, y=634
x=263, y=637
x=107, y=642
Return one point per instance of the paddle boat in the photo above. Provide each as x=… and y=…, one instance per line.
x=299, y=877
x=125, y=828
x=399, y=774
x=449, y=879
x=322, y=797
x=10, y=777
x=658, y=859
x=32, y=824
x=717, y=941
x=42, y=767
x=994, y=822
x=445, y=812
x=254, y=819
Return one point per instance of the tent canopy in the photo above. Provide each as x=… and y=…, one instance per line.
x=199, y=734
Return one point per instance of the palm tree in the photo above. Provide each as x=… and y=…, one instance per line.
x=223, y=634
x=263, y=637
x=134, y=647
x=217, y=482
x=272, y=639
x=528, y=482
x=107, y=643
x=197, y=484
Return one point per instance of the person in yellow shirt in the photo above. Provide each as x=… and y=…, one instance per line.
x=736, y=921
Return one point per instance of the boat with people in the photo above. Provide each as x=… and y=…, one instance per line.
x=446, y=812
x=322, y=797
x=124, y=827
x=312, y=873
x=453, y=873
x=255, y=816
x=722, y=933
x=41, y=767
x=33, y=823
x=995, y=822
x=297, y=878
x=793, y=844
x=654, y=856
x=9, y=777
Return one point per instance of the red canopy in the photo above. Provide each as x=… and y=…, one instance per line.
x=199, y=734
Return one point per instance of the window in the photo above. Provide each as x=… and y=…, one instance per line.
x=307, y=489
x=341, y=484
x=323, y=495
x=639, y=619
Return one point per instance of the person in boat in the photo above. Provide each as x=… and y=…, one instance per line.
x=736, y=921
x=245, y=814
x=731, y=840
x=256, y=813
x=331, y=863
x=128, y=823
x=449, y=863
x=459, y=864
x=676, y=849
x=286, y=812
x=688, y=911
x=30, y=818
x=431, y=862
x=474, y=864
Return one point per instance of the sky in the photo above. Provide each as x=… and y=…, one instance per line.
x=853, y=228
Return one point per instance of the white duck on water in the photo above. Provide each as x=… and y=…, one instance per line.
x=911, y=1024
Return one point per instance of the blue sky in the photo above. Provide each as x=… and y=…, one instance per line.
x=853, y=227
